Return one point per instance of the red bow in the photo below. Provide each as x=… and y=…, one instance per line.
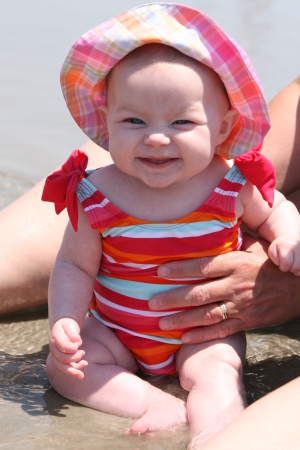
x=60, y=186
x=257, y=169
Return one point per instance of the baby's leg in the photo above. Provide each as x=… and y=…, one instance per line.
x=109, y=383
x=212, y=373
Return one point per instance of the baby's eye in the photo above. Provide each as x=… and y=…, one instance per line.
x=181, y=122
x=135, y=121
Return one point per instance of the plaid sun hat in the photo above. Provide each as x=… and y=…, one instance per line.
x=190, y=31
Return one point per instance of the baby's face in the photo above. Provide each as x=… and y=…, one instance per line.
x=164, y=121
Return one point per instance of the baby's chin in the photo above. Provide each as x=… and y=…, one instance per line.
x=160, y=184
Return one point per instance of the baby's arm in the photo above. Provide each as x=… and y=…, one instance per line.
x=70, y=292
x=280, y=225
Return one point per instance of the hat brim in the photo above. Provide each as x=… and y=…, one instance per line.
x=190, y=31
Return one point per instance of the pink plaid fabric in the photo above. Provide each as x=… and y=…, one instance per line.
x=190, y=31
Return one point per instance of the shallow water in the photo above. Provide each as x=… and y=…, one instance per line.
x=37, y=132
x=34, y=416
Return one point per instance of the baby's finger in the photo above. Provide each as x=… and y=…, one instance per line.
x=74, y=370
x=67, y=357
x=286, y=261
x=296, y=264
x=285, y=252
x=281, y=256
x=273, y=254
x=62, y=342
x=80, y=365
x=72, y=331
x=286, y=258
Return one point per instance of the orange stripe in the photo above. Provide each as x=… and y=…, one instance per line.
x=200, y=216
x=164, y=348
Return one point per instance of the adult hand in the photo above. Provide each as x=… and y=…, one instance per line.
x=255, y=292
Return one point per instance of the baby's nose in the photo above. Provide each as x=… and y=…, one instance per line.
x=157, y=138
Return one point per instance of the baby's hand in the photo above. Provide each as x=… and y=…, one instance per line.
x=64, y=343
x=284, y=251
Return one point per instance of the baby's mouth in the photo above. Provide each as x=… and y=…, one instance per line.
x=158, y=161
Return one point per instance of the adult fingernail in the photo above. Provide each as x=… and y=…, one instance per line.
x=154, y=303
x=163, y=272
x=165, y=324
x=187, y=339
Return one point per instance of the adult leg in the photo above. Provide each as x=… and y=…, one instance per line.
x=270, y=423
x=110, y=385
x=212, y=373
x=31, y=234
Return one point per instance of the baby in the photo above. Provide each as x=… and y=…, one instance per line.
x=170, y=194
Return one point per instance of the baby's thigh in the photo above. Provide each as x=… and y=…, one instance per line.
x=197, y=361
x=102, y=346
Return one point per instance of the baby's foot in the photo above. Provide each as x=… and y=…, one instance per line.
x=166, y=412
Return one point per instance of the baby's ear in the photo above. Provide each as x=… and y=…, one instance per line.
x=103, y=113
x=229, y=120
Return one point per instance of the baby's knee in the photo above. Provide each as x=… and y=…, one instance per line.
x=229, y=351
x=50, y=367
x=226, y=358
x=210, y=365
x=52, y=373
x=63, y=383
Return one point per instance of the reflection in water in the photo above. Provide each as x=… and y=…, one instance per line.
x=23, y=380
x=264, y=377
x=273, y=359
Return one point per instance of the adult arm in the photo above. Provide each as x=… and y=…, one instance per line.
x=31, y=234
x=255, y=292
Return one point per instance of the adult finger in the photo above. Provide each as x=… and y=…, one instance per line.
x=195, y=317
x=197, y=267
x=207, y=267
x=192, y=295
x=217, y=331
x=215, y=266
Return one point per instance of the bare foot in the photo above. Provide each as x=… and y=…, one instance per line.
x=166, y=412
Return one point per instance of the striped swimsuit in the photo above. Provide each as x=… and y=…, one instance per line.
x=132, y=251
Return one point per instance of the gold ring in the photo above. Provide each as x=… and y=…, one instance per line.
x=224, y=310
